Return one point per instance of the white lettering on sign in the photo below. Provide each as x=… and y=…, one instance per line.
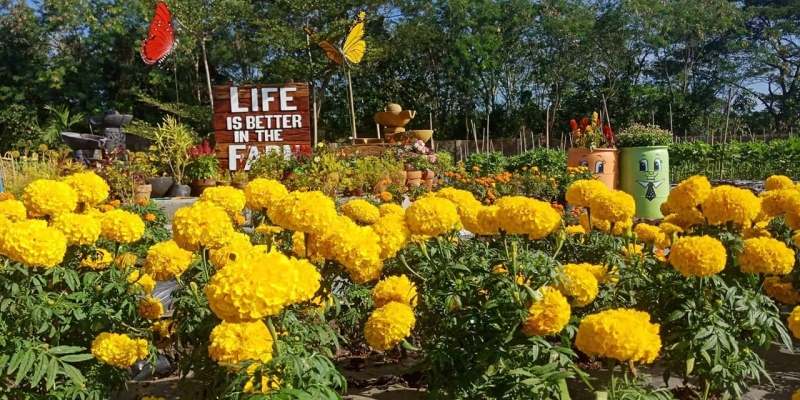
x=285, y=99
x=236, y=153
x=265, y=100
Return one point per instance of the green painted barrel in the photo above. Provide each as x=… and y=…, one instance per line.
x=644, y=174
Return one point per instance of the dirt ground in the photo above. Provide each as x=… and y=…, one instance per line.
x=381, y=381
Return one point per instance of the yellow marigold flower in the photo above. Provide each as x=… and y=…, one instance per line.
x=621, y=334
x=14, y=210
x=268, y=383
x=579, y=283
x=358, y=250
x=150, y=308
x=597, y=224
x=166, y=260
x=228, y=198
x=774, y=203
x=237, y=342
x=389, y=325
x=79, y=229
x=117, y=350
x=701, y=256
x=632, y=250
x=796, y=395
x=432, y=216
x=763, y=255
x=754, y=232
x=794, y=322
x=360, y=210
x=731, y=204
x=90, y=188
x=600, y=272
x=260, y=285
x=260, y=194
x=778, y=182
x=165, y=328
x=575, y=229
x=783, y=292
x=622, y=227
x=548, y=315
x=34, y=244
x=385, y=197
x=149, y=217
x=690, y=193
x=466, y=205
x=299, y=244
x=144, y=281
x=488, y=220
x=521, y=215
x=650, y=234
x=46, y=197
x=268, y=230
x=666, y=208
x=393, y=235
x=237, y=245
x=308, y=212
x=98, y=260
x=391, y=208
x=612, y=206
x=581, y=192
x=395, y=288
x=126, y=260
x=201, y=225
x=122, y=226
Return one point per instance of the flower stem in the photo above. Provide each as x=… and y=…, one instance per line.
x=274, y=335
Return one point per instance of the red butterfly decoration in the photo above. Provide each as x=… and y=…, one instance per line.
x=161, y=41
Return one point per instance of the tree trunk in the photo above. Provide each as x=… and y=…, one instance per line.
x=208, y=74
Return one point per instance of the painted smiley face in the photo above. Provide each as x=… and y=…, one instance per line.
x=599, y=163
x=651, y=174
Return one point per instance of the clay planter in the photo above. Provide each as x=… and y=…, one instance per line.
x=160, y=186
x=179, y=191
x=602, y=162
x=399, y=178
x=414, y=178
x=644, y=174
x=223, y=183
x=200, y=185
x=239, y=185
x=142, y=192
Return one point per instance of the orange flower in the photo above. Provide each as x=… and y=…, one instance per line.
x=475, y=168
x=239, y=219
x=385, y=197
x=143, y=202
x=106, y=207
x=149, y=217
x=6, y=196
x=114, y=203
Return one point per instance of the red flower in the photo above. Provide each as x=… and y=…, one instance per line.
x=609, y=135
x=573, y=125
x=584, y=122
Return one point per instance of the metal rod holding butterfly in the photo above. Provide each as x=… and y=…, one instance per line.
x=351, y=52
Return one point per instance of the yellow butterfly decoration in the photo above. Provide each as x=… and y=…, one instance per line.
x=354, y=45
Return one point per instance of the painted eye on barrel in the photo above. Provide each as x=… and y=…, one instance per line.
x=657, y=165
x=585, y=163
x=598, y=167
x=643, y=165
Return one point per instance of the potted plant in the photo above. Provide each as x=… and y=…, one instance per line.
x=202, y=168
x=644, y=167
x=239, y=179
x=594, y=148
x=139, y=168
x=171, y=143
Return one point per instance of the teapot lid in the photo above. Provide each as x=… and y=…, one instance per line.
x=392, y=107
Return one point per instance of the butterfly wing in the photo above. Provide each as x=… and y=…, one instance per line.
x=160, y=41
x=354, y=45
x=331, y=52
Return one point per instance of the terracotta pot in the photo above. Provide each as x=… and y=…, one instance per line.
x=223, y=183
x=356, y=192
x=414, y=178
x=200, y=185
x=399, y=178
x=427, y=175
x=381, y=185
x=429, y=184
x=602, y=162
x=239, y=185
x=143, y=192
x=289, y=174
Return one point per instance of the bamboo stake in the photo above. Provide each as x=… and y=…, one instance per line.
x=352, y=107
x=547, y=128
x=430, y=126
x=378, y=129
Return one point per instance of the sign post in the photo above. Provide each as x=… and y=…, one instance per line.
x=253, y=120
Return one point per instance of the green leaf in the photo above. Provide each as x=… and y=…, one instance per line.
x=689, y=366
x=27, y=362
x=66, y=349
x=73, y=358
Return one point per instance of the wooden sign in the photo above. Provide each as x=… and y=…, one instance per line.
x=255, y=119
